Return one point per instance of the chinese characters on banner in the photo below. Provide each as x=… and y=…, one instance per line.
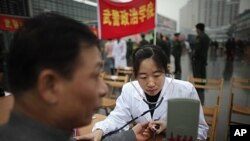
x=122, y=19
x=10, y=23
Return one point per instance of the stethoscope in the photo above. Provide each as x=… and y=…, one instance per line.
x=158, y=103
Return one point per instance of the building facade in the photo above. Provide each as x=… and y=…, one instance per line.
x=214, y=13
x=166, y=25
x=76, y=10
x=240, y=28
x=12, y=10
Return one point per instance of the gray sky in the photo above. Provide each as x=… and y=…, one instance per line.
x=170, y=8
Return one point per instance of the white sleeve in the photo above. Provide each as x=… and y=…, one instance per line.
x=119, y=116
x=202, y=127
x=114, y=46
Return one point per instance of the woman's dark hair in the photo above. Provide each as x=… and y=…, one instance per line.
x=145, y=52
x=47, y=41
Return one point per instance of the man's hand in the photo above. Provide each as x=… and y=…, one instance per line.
x=161, y=124
x=88, y=137
x=94, y=136
x=142, y=132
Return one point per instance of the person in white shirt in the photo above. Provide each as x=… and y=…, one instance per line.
x=187, y=45
x=108, y=50
x=119, y=53
x=150, y=90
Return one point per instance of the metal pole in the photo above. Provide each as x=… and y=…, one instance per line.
x=155, y=36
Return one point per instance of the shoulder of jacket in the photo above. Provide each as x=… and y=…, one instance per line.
x=129, y=85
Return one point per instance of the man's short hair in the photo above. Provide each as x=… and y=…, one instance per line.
x=47, y=41
x=200, y=26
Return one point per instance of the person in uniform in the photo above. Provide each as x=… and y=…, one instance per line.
x=143, y=41
x=199, y=57
x=165, y=46
x=177, y=50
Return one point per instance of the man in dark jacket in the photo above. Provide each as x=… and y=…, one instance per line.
x=177, y=50
x=53, y=69
x=199, y=58
x=129, y=51
x=143, y=41
x=165, y=46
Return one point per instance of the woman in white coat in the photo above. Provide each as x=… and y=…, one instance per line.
x=150, y=89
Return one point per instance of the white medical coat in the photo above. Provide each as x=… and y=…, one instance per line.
x=119, y=53
x=130, y=104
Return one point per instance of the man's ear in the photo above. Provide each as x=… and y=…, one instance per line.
x=49, y=85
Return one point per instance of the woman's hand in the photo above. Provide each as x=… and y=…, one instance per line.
x=162, y=125
x=94, y=136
